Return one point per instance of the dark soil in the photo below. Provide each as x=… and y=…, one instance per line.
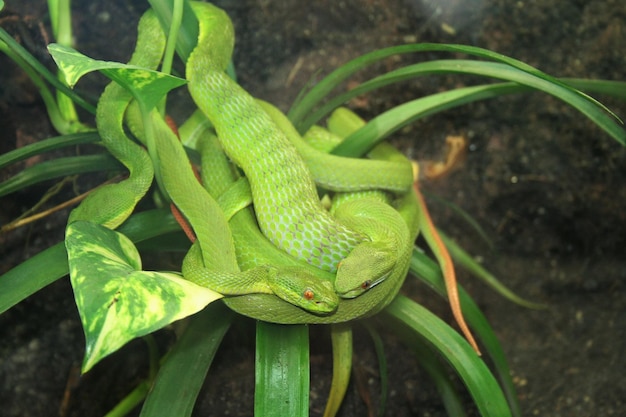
x=546, y=185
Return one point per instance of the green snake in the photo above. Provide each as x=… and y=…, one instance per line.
x=287, y=207
x=254, y=249
x=286, y=273
x=211, y=261
x=366, y=212
x=278, y=179
x=111, y=204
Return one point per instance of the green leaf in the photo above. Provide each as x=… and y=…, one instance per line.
x=282, y=370
x=466, y=261
x=341, y=336
x=32, y=275
x=388, y=122
x=57, y=168
x=429, y=272
x=51, y=264
x=47, y=145
x=438, y=372
x=183, y=372
x=147, y=86
x=574, y=98
x=188, y=32
x=36, y=70
x=610, y=88
x=117, y=301
x=308, y=101
x=479, y=380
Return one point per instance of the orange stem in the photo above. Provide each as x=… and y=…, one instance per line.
x=428, y=230
x=184, y=224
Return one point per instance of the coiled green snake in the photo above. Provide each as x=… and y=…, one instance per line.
x=295, y=256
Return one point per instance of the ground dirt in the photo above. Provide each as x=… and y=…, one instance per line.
x=546, y=185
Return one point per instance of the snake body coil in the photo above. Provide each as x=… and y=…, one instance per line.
x=285, y=198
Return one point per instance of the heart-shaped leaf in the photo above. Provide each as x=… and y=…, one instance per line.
x=117, y=301
x=146, y=86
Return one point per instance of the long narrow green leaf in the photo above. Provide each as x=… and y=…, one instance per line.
x=47, y=145
x=383, y=125
x=466, y=261
x=464, y=215
x=32, y=275
x=615, y=89
x=431, y=363
x=310, y=100
x=478, y=379
x=391, y=77
x=39, y=68
x=188, y=33
x=185, y=368
x=382, y=367
x=282, y=370
x=51, y=264
x=57, y=168
x=341, y=336
x=487, y=69
x=428, y=271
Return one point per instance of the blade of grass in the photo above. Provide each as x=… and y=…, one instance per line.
x=57, y=168
x=440, y=375
x=185, y=367
x=341, y=336
x=47, y=145
x=399, y=116
x=487, y=69
x=323, y=88
x=466, y=261
x=32, y=275
x=427, y=271
x=188, y=33
x=615, y=89
x=382, y=367
x=39, y=68
x=282, y=370
x=478, y=379
x=61, y=20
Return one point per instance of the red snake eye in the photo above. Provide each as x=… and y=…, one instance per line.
x=366, y=284
x=308, y=294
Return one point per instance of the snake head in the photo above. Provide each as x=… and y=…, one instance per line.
x=369, y=264
x=301, y=288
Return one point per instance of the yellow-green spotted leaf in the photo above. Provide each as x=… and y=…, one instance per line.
x=146, y=86
x=117, y=301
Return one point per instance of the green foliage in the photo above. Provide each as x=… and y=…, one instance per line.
x=282, y=370
x=145, y=85
x=118, y=301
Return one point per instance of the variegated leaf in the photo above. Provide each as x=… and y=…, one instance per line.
x=147, y=86
x=117, y=301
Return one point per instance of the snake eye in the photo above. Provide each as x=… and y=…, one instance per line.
x=308, y=294
x=366, y=284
